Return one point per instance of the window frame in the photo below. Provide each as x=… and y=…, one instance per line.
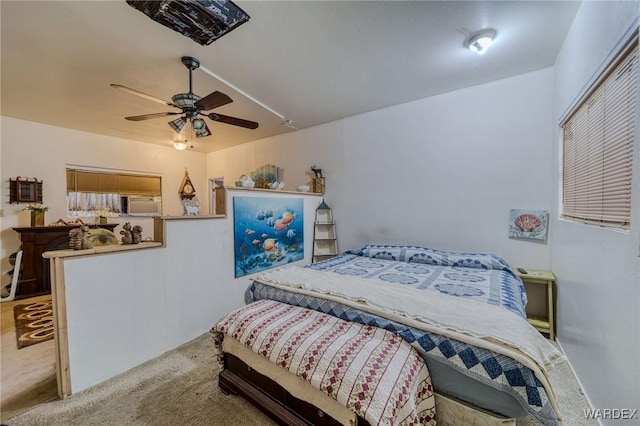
x=100, y=185
x=605, y=210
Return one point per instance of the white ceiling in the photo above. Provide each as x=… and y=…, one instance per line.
x=311, y=61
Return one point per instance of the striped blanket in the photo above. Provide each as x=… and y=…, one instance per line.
x=371, y=371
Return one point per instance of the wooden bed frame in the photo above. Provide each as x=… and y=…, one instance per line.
x=239, y=378
x=269, y=397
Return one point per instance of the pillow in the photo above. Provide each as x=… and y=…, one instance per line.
x=429, y=256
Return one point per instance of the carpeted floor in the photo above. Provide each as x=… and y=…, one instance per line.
x=181, y=388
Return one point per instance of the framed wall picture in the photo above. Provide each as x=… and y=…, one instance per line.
x=268, y=232
x=25, y=190
x=528, y=224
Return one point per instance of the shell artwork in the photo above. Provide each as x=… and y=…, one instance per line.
x=528, y=222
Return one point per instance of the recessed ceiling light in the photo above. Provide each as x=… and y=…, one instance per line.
x=480, y=42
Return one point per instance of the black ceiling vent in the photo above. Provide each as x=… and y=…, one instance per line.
x=203, y=21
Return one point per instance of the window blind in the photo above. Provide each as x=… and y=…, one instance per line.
x=598, y=138
x=116, y=183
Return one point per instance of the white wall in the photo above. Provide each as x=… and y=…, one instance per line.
x=126, y=308
x=598, y=270
x=30, y=149
x=442, y=171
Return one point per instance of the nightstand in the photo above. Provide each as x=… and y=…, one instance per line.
x=546, y=278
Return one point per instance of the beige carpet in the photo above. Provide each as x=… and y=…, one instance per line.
x=181, y=388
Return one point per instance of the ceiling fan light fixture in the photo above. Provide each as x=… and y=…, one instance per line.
x=481, y=41
x=178, y=124
x=201, y=132
x=197, y=124
x=183, y=100
x=180, y=145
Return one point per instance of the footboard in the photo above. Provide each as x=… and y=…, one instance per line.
x=278, y=403
x=271, y=398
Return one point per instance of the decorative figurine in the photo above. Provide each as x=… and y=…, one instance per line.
x=136, y=234
x=318, y=181
x=318, y=172
x=127, y=237
x=190, y=210
x=79, y=238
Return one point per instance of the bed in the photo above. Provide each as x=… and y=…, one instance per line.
x=463, y=313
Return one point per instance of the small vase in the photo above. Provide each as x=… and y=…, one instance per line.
x=318, y=185
x=37, y=218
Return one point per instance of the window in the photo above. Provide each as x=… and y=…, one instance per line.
x=95, y=193
x=90, y=204
x=597, y=147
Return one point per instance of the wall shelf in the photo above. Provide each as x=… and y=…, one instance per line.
x=25, y=190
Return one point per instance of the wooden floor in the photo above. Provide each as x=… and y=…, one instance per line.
x=28, y=375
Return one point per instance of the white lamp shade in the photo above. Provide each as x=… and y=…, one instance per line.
x=180, y=145
x=481, y=41
x=481, y=45
x=197, y=124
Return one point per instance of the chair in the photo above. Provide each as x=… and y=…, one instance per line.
x=15, y=279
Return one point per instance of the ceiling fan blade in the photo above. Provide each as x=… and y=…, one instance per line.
x=213, y=100
x=143, y=95
x=150, y=116
x=233, y=121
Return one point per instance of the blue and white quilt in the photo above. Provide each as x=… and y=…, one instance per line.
x=481, y=277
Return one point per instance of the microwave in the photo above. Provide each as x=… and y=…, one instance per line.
x=142, y=206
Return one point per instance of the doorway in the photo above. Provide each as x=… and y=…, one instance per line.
x=215, y=205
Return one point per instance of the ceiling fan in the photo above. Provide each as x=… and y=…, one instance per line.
x=191, y=106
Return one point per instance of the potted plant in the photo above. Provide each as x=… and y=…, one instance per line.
x=37, y=213
x=102, y=215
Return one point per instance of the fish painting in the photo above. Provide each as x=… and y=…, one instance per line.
x=263, y=214
x=287, y=217
x=268, y=232
x=269, y=244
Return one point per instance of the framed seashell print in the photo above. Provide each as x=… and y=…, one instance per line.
x=530, y=224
